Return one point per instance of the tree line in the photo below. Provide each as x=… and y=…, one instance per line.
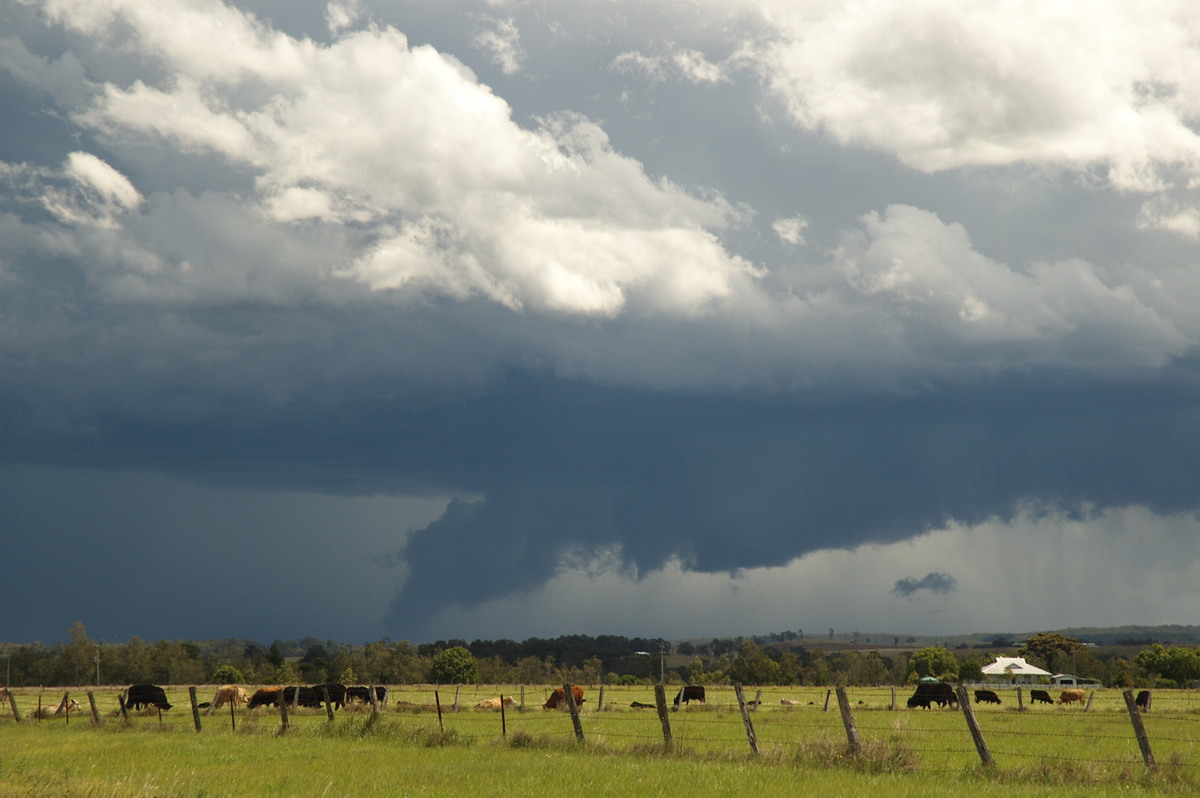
x=582, y=659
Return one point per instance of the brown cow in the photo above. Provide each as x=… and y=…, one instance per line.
x=265, y=697
x=229, y=694
x=1071, y=696
x=558, y=699
x=494, y=703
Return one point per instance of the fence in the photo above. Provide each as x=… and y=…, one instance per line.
x=1107, y=732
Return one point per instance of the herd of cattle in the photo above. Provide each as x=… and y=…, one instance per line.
x=140, y=696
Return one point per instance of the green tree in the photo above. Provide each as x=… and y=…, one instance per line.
x=933, y=661
x=970, y=671
x=1044, y=646
x=227, y=674
x=1177, y=663
x=455, y=665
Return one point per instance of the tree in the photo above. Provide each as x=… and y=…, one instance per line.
x=933, y=661
x=455, y=665
x=1177, y=663
x=227, y=674
x=1045, y=645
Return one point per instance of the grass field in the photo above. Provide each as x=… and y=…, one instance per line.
x=1045, y=750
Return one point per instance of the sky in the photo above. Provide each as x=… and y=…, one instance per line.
x=503, y=318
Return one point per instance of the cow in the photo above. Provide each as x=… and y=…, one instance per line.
x=229, y=694
x=790, y=702
x=146, y=695
x=363, y=694
x=692, y=692
x=1071, y=696
x=302, y=697
x=987, y=696
x=337, y=694
x=496, y=703
x=1040, y=695
x=265, y=697
x=68, y=706
x=558, y=699
x=1143, y=700
x=641, y=705
x=928, y=693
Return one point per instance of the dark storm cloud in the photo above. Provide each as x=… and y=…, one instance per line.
x=934, y=582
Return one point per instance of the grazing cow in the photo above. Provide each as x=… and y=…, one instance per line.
x=640, y=705
x=987, y=696
x=363, y=694
x=496, y=703
x=229, y=694
x=692, y=692
x=302, y=697
x=337, y=694
x=146, y=695
x=1071, y=696
x=1143, y=700
x=558, y=699
x=265, y=697
x=928, y=693
x=1040, y=695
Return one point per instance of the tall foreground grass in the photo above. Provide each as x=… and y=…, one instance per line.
x=405, y=751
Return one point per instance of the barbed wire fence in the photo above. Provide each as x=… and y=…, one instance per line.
x=1109, y=733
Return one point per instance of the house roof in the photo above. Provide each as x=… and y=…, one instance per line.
x=1013, y=666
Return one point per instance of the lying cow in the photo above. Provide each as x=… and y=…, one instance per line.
x=146, y=695
x=1042, y=696
x=229, y=694
x=791, y=702
x=1143, y=700
x=692, y=692
x=496, y=703
x=558, y=699
x=987, y=696
x=1071, y=696
x=641, y=705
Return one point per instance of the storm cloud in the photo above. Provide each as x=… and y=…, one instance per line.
x=481, y=299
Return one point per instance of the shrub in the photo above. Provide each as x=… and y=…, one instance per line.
x=227, y=674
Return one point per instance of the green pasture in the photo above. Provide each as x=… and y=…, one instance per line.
x=405, y=750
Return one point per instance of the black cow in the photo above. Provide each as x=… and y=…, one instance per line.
x=987, y=696
x=928, y=693
x=692, y=692
x=1143, y=700
x=302, y=697
x=337, y=694
x=363, y=694
x=640, y=705
x=1040, y=695
x=146, y=695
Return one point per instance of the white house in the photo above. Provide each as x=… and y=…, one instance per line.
x=1014, y=668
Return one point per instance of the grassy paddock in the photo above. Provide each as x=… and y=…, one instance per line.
x=404, y=750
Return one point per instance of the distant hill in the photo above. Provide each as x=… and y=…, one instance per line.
x=1170, y=635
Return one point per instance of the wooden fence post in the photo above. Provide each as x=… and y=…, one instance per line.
x=848, y=722
x=328, y=703
x=375, y=699
x=985, y=756
x=892, y=708
x=283, y=716
x=95, y=712
x=1091, y=695
x=1139, y=730
x=195, y=707
x=12, y=702
x=66, y=710
x=827, y=694
x=741, y=699
x=570, y=696
x=1020, y=699
x=503, y=720
x=437, y=700
x=121, y=703
x=600, y=701
x=232, y=720
x=660, y=700
x=39, y=709
x=522, y=698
